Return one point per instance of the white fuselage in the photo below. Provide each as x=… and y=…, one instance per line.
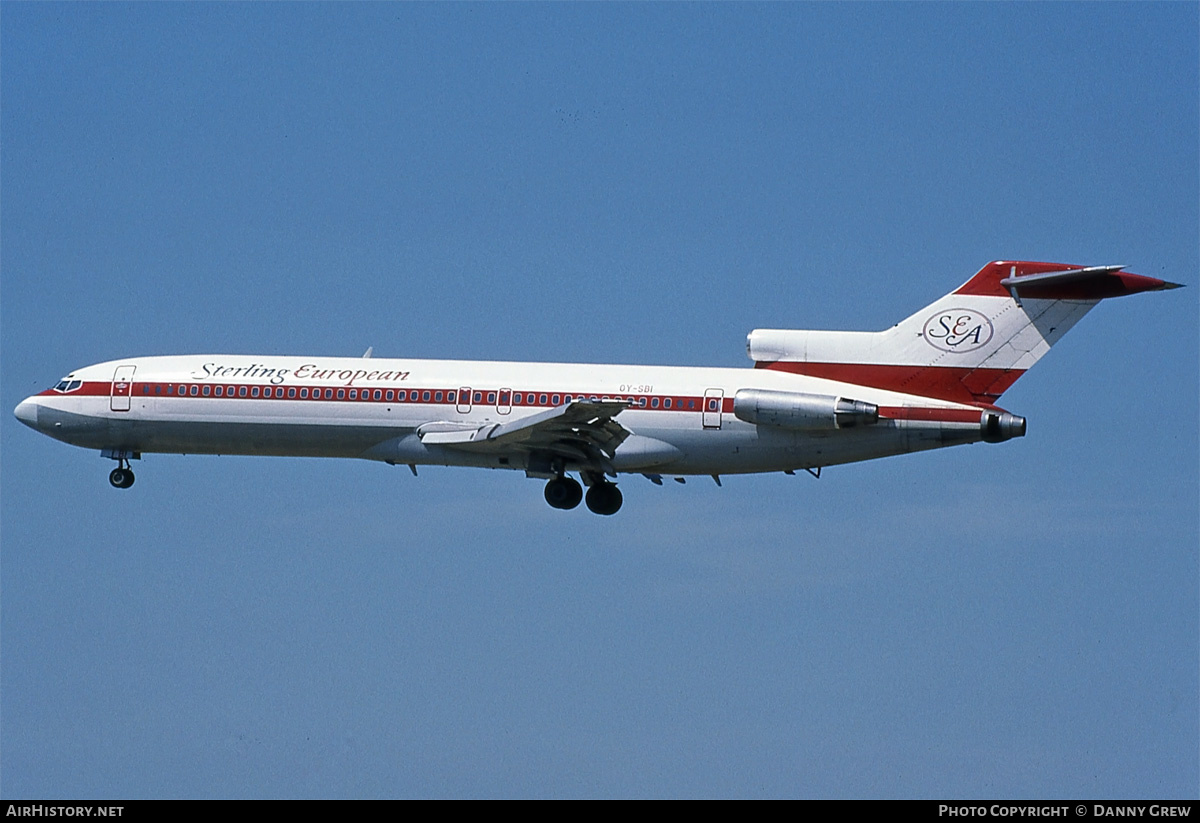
x=682, y=419
x=814, y=398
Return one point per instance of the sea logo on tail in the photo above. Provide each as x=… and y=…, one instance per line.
x=958, y=330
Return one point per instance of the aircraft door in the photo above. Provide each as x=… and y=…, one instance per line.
x=712, y=408
x=122, y=388
x=504, y=401
x=464, y=400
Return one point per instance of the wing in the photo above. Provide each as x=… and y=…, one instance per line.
x=580, y=432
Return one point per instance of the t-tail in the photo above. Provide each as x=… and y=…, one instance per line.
x=967, y=347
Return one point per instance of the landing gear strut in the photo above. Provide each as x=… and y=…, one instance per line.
x=563, y=493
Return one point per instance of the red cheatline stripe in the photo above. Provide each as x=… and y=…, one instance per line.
x=679, y=403
x=528, y=399
x=957, y=384
x=87, y=390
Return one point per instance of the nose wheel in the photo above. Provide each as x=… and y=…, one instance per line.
x=121, y=478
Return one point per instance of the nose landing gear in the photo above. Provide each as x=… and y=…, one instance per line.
x=122, y=476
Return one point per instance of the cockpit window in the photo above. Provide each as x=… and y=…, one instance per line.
x=68, y=385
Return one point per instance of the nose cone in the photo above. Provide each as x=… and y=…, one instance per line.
x=27, y=412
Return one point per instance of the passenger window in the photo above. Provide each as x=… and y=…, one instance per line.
x=691, y=404
x=478, y=397
x=207, y=391
x=241, y=391
x=254, y=391
x=341, y=394
x=425, y=396
x=449, y=397
x=219, y=391
x=554, y=400
x=542, y=399
x=401, y=396
x=437, y=397
x=378, y=394
x=390, y=395
x=291, y=392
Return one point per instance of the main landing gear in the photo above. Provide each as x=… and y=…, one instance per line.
x=603, y=497
x=563, y=493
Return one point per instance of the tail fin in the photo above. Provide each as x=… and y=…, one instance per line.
x=967, y=347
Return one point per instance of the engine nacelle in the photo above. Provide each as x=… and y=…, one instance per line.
x=997, y=426
x=795, y=345
x=794, y=410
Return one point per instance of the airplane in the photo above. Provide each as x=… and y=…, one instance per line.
x=813, y=398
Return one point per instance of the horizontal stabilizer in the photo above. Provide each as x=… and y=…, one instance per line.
x=1067, y=276
x=1090, y=283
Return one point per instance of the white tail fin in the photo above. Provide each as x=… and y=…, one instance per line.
x=967, y=347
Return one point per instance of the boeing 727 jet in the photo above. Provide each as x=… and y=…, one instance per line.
x=813, y=398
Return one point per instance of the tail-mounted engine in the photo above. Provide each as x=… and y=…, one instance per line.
x=794, y=410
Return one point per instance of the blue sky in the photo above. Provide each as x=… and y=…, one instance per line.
x=598, y=183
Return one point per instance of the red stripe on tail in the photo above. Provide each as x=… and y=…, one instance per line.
x=953, y=383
